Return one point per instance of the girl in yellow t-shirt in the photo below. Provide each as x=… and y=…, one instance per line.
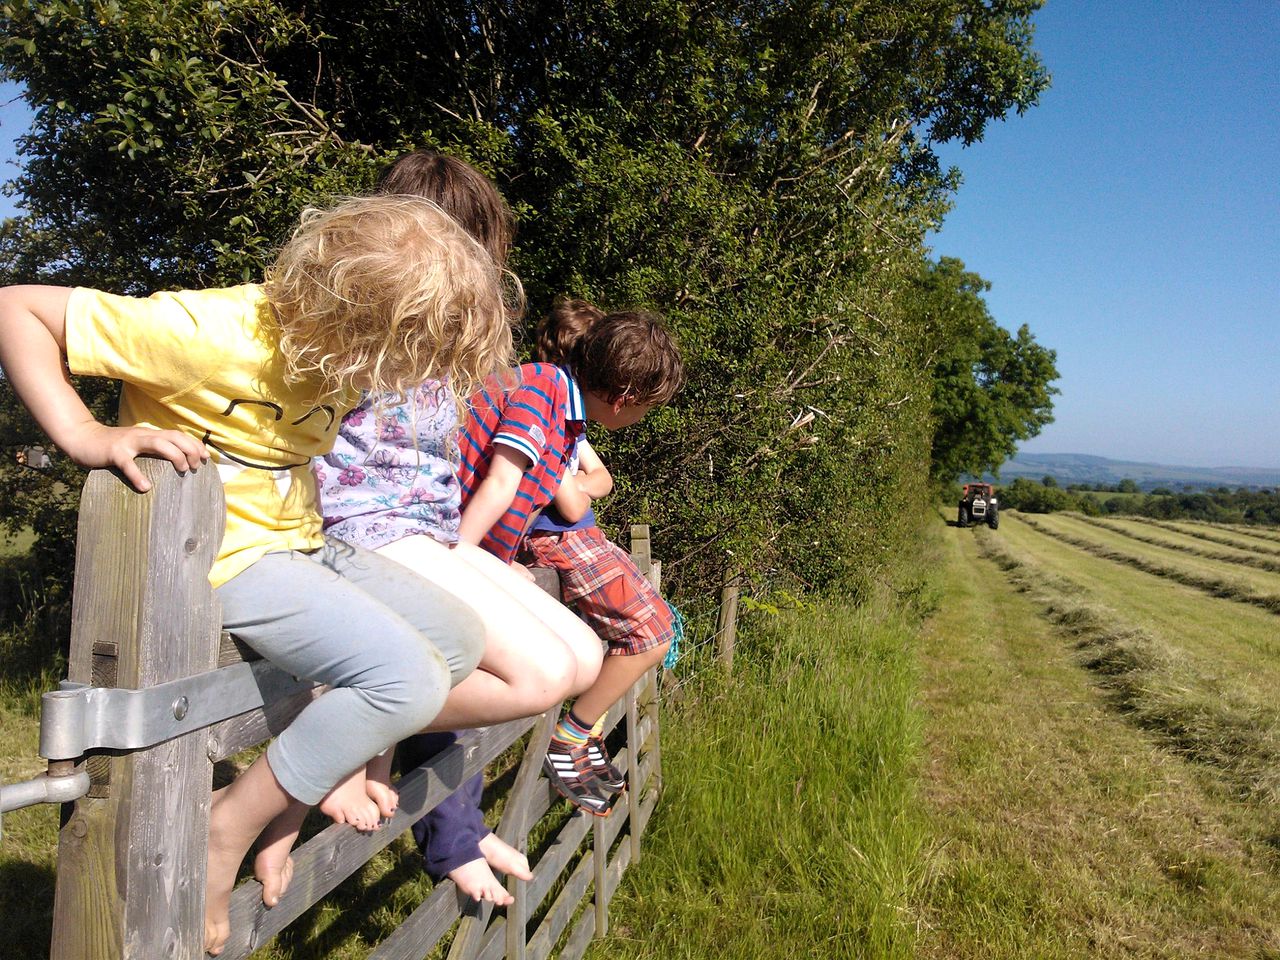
x=377, y=294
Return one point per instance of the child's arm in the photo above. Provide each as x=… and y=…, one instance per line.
x=32, y=343
x=571, y=501
x=593, y=476
x=494, y=495
x=576, y=491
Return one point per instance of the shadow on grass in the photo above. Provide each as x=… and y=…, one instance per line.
x=26, y=907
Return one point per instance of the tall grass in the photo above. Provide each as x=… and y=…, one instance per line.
x=789, y=826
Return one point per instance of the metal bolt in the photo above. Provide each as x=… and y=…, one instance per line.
x=78, y=827
x=180, y=707
x=190, y=545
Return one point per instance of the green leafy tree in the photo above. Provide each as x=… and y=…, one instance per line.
x=762, y=173
x=991, y=389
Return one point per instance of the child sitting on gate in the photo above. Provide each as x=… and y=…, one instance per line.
x=377, y=294
x=633, y=366
x=390, y=485
x=599, y=355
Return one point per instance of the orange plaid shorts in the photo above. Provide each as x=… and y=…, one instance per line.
x=599, y=579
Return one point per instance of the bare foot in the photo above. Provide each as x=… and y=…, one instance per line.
x=238, y=814
x=504, y=858
x=377, y=784
x=349, y=802
x=477, y=881
x=228, y=844
x=273, y=866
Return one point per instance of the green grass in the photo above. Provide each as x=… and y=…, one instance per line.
x=789, y=826
x=1241, y=585
x=1212, y=534
x=1222, y=638
x=16, y=544
x=1161, y=683
x=1185, y=543
x=1062, y=829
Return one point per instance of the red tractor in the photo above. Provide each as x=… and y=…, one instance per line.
x=978, y=504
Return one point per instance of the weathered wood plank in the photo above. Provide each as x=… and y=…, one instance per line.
x=131, y=864
x=469, y=937
x=652, y=700
x=599, y=864
x=585, y=929
x=229, y=737
x=337, y=852
x=513, y=828
x=234, y=650
x=582, y=933
x=641, y=548
x=727, y=624
x=563, y=909
x=423, y=928
x=633, y=805
x=606, y=832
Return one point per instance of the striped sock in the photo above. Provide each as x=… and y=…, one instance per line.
x=572, y=730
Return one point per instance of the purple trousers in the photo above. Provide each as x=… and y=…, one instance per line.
x=449, y=835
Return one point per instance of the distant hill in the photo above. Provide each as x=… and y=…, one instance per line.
x=1069, y=468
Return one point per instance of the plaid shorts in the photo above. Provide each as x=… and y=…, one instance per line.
x=610, y=594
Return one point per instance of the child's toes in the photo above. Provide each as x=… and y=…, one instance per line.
x=383, y=797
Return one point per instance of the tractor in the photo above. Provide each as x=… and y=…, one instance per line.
x=978, y=504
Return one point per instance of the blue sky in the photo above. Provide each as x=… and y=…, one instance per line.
x=1132, y=220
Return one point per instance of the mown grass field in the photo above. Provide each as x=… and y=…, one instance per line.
x=1244, y=585
x=1186, y=543
x=1084, y=765
x=1227, y=536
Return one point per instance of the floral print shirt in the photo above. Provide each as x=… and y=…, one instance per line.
x=393, y=471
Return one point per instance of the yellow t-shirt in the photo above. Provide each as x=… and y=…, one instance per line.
x=196, y=361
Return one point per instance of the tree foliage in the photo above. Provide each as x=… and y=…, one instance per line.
x=992, y=388
x=760, y=172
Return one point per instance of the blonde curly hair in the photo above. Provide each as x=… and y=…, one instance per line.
x=384, y=293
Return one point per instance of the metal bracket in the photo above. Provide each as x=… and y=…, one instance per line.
x=78, y=718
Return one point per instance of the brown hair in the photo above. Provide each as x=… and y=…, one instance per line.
x=461, y=191
x=627, y=354
x=384, y=293
x=560, y=331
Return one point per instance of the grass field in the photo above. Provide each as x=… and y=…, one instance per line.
x=789, y=781
x=1185, y=543
x=1063, y=828
x=1214, y=533
x=1240, y=584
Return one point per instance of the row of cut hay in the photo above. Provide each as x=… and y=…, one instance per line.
x=1241, y=558
x=1270, y=534
x=1211, y=534
x=1225, y=589
x=1153, y=684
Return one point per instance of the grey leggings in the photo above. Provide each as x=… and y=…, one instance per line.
x=389, y=643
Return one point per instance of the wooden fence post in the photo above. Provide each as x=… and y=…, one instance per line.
x=727, y=623
x=132, y=854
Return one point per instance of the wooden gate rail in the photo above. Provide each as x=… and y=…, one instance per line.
x=132, y=853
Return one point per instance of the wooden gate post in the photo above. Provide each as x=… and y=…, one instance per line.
x=132, y=854
x=727, y=623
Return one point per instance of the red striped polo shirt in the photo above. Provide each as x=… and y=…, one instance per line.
x=529, y=414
